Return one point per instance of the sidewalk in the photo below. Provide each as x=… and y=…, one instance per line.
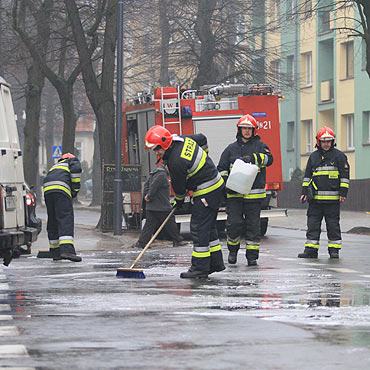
x=353, y=222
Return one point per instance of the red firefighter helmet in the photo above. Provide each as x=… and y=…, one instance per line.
x=248, y=121
x=325, y=134
x=158, y=135
x=67, y=155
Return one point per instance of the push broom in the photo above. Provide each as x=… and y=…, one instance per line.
x=131, y=272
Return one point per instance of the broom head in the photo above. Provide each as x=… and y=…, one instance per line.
x=128, y=273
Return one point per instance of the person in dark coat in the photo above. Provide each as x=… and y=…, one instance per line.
x=61, y=185
x=158, y=206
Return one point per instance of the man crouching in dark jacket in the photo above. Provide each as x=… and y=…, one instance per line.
x=158, y=206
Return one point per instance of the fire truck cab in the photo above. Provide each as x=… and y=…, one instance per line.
x=214, y=111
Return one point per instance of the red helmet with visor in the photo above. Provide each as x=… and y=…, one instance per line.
x=158, y=136
x=325, y=134
x=248, y=121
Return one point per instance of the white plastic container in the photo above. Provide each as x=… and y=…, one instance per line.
x=241, y=177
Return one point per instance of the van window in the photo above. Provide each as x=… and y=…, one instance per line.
x=10, y=117
x=4, y=137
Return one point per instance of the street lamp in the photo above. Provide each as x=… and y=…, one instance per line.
x=117, y=221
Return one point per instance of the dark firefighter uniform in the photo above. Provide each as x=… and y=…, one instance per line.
x=243, y=211
x=192, y=169
x=327, y=176
x=61, y=184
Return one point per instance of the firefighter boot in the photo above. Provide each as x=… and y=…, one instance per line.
x=309, y=253
x=193, y=273
x=252, y=256
x=233, y=255
x=333, y=252
x=70, y=256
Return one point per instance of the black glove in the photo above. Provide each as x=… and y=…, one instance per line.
x=248, y=159
x=178, y=203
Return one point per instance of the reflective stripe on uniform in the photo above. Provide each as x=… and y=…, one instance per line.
x=61, y=183
x=251, y=246
x=209, y=186
x=215, y=248
x=235, y=241
x=53, y=244
x=180, y=197
x=200, y=160
x=201, y=254
x=335, y=244
x=312, y=244
x=327, y=195
x=57, y=187
x=254, y=194
x=64, y=167
x=66, y=240
x=332, y=174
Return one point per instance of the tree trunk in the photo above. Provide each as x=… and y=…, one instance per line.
x=207, y=72
x=50, y=122
x=35, y=84
x=164, y=78
x=96, y=179
x=100, y=97
x=65, y=92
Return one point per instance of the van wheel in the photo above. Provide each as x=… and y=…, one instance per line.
x=263, y=225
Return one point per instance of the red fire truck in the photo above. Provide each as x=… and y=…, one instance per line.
x=214, y=111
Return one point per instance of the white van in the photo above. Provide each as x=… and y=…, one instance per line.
x=13, y=230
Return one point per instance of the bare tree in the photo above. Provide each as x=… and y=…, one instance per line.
x=99, y=88
x=54, y=63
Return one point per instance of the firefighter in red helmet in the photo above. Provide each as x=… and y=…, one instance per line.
x=325, y=186
x=243, y=211
x=190, y=168
x=61, y=185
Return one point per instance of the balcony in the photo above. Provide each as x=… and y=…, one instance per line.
x=327, y=91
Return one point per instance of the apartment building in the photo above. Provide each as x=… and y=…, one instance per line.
x=325, y=83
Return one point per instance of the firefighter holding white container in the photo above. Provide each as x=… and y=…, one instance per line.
x=243, y=210
x=61, y=184
x=325, y=186
x=190, y=168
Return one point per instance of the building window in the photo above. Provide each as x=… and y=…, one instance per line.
x=366, y=127
x=275, y=69
x=290, y=68
x=307, y=69
x=308, y=135
x=290, y=136
x=350, y=129
x=349, y=59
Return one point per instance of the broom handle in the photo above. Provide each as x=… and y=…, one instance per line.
x=153, y=237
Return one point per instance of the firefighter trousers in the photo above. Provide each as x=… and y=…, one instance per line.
x=243, y=219
x=60, y=225
x=153, y=220
x=315, y=213
x=207, y=252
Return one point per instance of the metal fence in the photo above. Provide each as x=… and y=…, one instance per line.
x=358, y=196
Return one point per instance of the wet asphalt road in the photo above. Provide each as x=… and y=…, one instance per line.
x=287, y=313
